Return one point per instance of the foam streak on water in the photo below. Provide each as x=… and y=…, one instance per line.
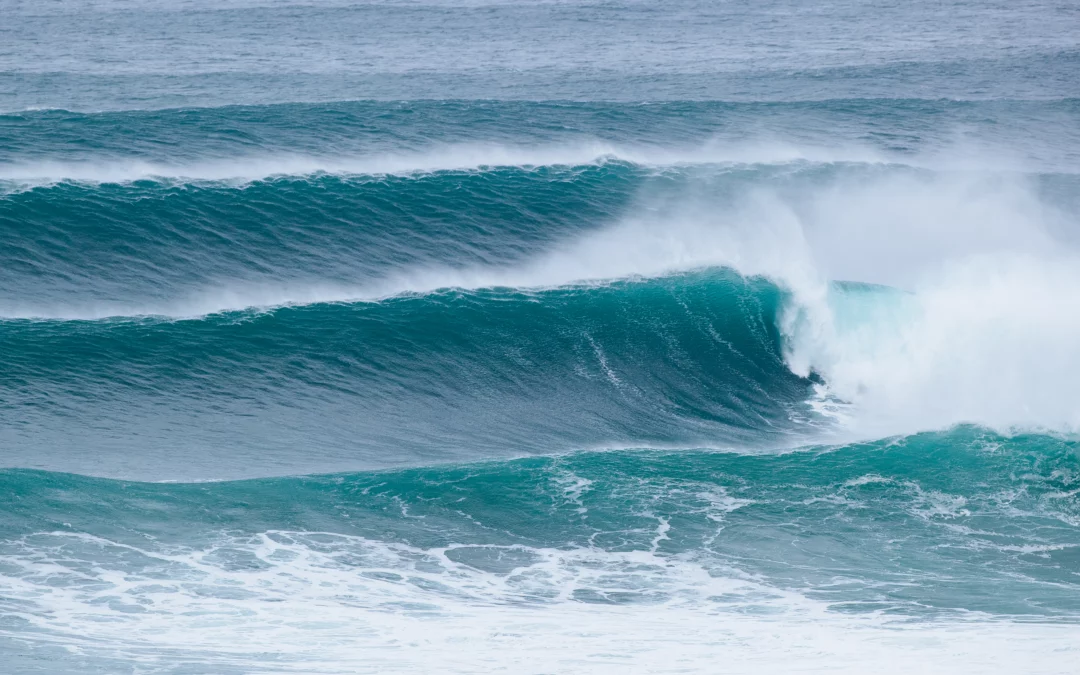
x=317, y=616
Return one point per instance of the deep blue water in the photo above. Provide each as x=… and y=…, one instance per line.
x=539, y=337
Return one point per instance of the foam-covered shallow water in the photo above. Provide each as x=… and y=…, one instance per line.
x=560, y=337
x=934, y=544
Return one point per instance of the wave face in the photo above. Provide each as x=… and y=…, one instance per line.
x=681, y=360
x=588, y=338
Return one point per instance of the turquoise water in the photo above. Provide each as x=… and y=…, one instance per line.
x=539, y=338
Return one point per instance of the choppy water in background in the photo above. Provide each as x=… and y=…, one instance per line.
x=546, y=337
x=124, y=54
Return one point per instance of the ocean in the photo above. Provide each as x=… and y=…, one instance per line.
x=571, y=336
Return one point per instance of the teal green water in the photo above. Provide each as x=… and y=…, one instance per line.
x=932, y=524
x=591, y=337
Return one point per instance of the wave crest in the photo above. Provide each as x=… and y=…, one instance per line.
x=450, y=157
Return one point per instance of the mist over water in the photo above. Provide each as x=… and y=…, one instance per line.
x=549, y=337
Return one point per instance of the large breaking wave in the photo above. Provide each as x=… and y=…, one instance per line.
x=679, y=301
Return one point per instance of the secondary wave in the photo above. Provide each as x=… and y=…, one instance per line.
x=850, y=552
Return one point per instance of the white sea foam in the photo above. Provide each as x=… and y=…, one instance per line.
x=980, y=323
x=329, y=603
x=989, y=340
x=985, y=326
x=981, y=320
x=987, y=329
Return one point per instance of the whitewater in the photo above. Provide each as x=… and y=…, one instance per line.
x=538, y=338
